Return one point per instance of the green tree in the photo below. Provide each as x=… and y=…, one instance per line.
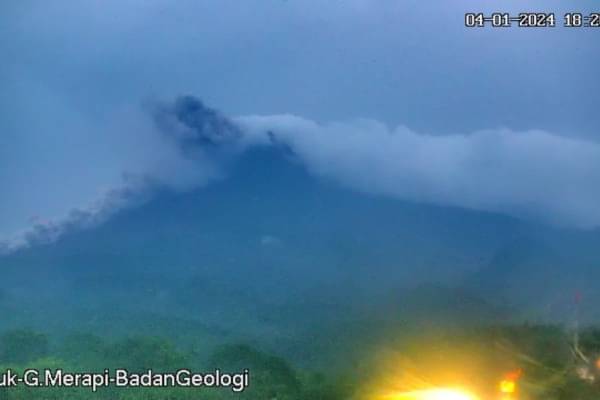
x=22, y=345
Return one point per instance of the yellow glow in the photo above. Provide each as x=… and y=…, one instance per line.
x=434, y=394
x=508, y=386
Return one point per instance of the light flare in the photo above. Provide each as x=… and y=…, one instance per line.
x=508, y=386
x=434, y=394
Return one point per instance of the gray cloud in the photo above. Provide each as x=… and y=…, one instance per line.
x=194, y=126
x=73, y=75
x=130, y=194
x=185, y=145
x=531, y=174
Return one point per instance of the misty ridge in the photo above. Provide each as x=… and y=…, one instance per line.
x=262, y=227
x=353, y=200
x=533, y=175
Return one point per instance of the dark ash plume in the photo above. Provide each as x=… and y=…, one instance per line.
x=133, y=192
x=194, y=126
x=205, y=140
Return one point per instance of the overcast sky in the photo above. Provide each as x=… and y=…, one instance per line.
x=76, y=76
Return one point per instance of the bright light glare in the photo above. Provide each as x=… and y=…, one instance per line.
x=507, y=386
x=434, y=394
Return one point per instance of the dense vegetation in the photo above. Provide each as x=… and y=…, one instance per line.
x=475, y=355
x=271, y=376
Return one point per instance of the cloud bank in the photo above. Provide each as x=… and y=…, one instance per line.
x=534, y=175
x=71, y=131
x=176, y=146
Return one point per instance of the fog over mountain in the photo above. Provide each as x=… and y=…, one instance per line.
x=300, y=175
x=269, y=237
x=498, y=171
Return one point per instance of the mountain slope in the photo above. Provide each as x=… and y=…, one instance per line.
x=270, y=250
